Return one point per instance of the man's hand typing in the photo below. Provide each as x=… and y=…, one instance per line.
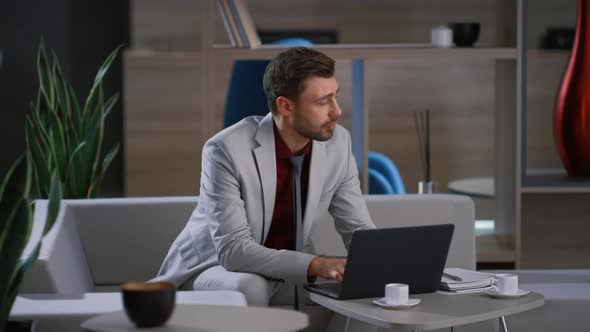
x=327, y=268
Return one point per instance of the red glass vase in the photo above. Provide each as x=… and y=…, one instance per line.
x=571, y=119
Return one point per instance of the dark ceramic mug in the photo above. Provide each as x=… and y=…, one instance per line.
x=148, y=304
x=465, y=34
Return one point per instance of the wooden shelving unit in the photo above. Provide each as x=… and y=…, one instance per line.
x=518, y=194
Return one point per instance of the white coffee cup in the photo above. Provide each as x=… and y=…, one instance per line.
x=441, y=36
x=396, y=294
x=506, y=283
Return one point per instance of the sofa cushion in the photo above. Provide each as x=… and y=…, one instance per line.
x=127, y=238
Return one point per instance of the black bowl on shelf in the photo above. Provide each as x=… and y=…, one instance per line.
x=465, y=34
x=558, y=38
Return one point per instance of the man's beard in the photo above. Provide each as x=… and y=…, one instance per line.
x=316, y=135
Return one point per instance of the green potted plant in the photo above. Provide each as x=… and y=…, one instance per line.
x=65, y=136
x=63, y=155
x=16, y=220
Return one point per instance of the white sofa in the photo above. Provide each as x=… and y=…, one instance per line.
x=97, y=244
x=100, y=243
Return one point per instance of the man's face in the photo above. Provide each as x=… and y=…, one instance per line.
x=316, y=109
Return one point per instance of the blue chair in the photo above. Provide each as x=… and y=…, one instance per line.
x=386, y=167
x=378, y=184
x=295, y=41
x=245, y=94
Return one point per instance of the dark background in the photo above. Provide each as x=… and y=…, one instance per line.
x=82, y=33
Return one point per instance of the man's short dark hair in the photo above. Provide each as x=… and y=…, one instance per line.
x=286, y=73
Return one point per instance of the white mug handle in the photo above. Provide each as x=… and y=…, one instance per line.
x=494, y=287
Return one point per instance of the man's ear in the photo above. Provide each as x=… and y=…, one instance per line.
x=284, y=106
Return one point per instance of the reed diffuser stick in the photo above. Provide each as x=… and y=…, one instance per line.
x=419, y=131
x=427, y=152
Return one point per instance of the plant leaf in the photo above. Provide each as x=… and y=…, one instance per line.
x=109, y=158
x=38, y=159
x=99, y=76
x=20, y=275
x=19, y=229
x=39, y=122
x=62, y=109
x=61, y=87
x=75, y=172
x=6, y=182
x=76, y=105
x=93, y=190
x=16, y=183
x=54, y=202
x=100, y=124
x=108, y=106
x=44, y=74
x=59, y=98
x=58, y=143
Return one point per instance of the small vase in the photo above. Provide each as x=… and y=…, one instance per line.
x=426, y=187
x=571, y=119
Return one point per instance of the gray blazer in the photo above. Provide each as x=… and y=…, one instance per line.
x=237, y=198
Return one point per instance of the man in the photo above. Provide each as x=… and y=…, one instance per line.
x=242, y=235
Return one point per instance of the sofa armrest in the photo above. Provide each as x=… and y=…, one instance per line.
x=59, y=306
x=61, y=266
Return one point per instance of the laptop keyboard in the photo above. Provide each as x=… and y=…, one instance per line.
x=331, y=287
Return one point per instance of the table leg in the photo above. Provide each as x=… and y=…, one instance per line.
x=502, y=324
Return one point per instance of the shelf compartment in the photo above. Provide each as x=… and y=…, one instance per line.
x=553, y=180
x=495, y=248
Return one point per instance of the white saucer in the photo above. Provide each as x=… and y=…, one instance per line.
x=494, y=293
x=411, y=302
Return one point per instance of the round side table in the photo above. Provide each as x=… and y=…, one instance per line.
x=482, y=187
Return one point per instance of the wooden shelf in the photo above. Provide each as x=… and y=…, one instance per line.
x=539, y=54
x=397, y=52
x=556, y=190
x=553, y=180
x=138, y=53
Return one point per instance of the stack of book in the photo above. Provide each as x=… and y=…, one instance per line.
x=461, y=281
x=238, y=23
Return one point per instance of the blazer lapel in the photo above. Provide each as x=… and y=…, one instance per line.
x=314, y=188
x=267, y=168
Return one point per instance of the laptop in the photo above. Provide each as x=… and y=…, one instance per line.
x=410, y=255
